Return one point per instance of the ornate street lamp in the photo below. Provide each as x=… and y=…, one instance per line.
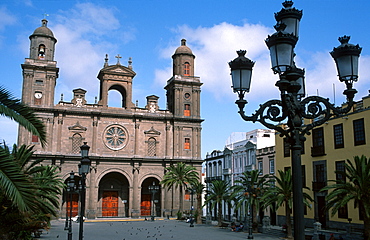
x=346, y=58
x=241, y=72
x=70, y=190
x=292, y=108
x=289, y=16
x=154, y=189
x=83, y=170
x=281, y=45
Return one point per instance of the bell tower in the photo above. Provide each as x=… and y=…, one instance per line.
x=119, y=78
x=39, y=70
x=183, y=88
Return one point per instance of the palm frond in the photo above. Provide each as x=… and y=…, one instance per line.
x=14, y=109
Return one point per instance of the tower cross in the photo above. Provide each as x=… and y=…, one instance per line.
x=118, y=57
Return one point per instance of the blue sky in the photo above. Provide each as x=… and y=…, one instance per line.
x=149, y=31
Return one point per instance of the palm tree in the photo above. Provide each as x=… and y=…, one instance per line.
x=218, y=193
x=280, y=194
x=38, y=188
x=356, y=189
x=14, y=109
x=21, y=198
x=198, y=190
x=15, y=186
x=251, y=187
x=46, y=178
x=180, y=176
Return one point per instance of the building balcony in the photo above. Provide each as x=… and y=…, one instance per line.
x=226, y=171
x=248, y=168
x=318, y=151
x=211, y=179
x=317, y=186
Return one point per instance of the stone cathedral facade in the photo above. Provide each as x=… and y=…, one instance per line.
x=130, y=146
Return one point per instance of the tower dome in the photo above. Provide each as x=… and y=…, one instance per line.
x=183, y=49
x=183, y=60
x=42, y=43
x=43, y=31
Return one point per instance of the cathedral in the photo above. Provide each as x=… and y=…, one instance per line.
x=130, y=146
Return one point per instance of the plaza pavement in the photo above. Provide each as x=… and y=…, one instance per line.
x=138, y=229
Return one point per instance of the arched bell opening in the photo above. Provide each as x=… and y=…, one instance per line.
x=117, y=96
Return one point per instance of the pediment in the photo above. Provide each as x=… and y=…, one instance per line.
x=77, y=127
x=152, y=131
x=249, y=144
x=118, y=69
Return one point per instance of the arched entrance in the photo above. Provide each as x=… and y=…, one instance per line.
x=113, y=196
x=150, y=204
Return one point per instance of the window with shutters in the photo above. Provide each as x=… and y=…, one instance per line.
x=76, y=143
x=152, y=147
x=187, y=143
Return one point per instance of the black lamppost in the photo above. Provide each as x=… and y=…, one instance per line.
x=70, y=190
x=66, y=202
x=293, y=108
x=153, y=188
x=83, y=170
x=191, y=220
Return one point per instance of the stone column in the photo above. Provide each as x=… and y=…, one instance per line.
x=92, y=190
x=168, y=142
x=135, y=197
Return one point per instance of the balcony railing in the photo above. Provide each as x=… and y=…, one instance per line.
x=317, y=151
x=226, y=171
x=211, y=179
x=248, y=168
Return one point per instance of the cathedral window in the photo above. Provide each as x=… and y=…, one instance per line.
x=41, y=52
x=152, y=147
x=186, y=69
x=76, y=142
x=115, y=137
x=187, y=143
x=187, y=110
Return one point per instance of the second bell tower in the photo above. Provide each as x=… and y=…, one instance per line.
x=183, y=88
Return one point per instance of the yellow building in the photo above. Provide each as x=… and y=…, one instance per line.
x=326, y=150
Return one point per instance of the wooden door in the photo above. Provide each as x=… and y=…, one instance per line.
x=74, y=204
x=146, y=206
x=110, y=204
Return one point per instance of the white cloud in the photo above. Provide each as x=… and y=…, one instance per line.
x=215, y=46
x=82, y=44
x=6, y=18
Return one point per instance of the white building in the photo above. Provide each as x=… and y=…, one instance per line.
x=244, y=145
x=244, y=151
